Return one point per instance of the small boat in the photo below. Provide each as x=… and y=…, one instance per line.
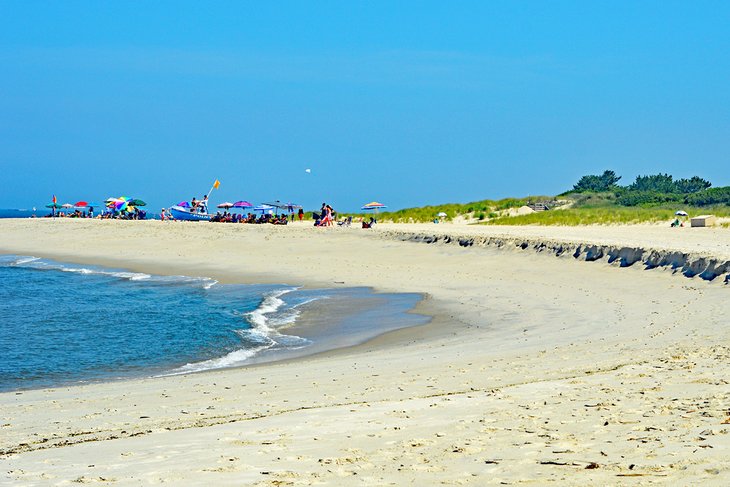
x=180, y=213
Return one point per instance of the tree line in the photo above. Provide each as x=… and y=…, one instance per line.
x=653, y=189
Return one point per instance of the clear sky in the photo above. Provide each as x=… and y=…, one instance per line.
x=407, y=103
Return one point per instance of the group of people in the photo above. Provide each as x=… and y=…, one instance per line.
x=106, y=214
x=199, y=206
x=75, y=214
x=325, y=217
x=227, y=217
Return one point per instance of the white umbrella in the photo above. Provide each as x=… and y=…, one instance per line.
x=681, y=213
x=442, y=215
x=264, y=208
x=226, y=205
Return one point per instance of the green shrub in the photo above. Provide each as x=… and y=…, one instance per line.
x=636, y=198
x=712, y=196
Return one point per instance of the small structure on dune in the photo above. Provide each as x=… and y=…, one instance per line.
x=703, y=221
x=539, y=205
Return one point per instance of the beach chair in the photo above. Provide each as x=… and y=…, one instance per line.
x=346, y=222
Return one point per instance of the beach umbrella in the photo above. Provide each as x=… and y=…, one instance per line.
x=81, y=204
x=242, y=204
x=442, y=215
x=183, y=204
x=681, y=213
x=67, y=205
x=276, y=204
x=373, y=205
x=136, y=202
x=225, y=205
x=263, y=208
x=53, y=205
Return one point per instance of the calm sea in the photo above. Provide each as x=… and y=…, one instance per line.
x=64, y=324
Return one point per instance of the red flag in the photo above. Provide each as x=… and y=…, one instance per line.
x=54, y=199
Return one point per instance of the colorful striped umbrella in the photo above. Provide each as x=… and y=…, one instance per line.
x=373, y=205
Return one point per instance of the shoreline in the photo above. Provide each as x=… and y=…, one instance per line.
x=323, y=321
x=532, y=369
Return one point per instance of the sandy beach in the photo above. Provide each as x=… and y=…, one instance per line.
x=554, y=356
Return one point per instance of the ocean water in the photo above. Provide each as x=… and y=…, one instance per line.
x=24, y=213
x=64, y=324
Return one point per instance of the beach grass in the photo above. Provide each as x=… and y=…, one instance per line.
x=605, y=215
x=479, y=210
x=600, y=208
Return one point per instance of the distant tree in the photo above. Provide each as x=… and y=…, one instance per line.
x=605, y=182
x=658, y=183
x=693, y=185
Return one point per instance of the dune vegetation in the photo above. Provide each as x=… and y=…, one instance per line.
x=476, y=210
x=593, y=200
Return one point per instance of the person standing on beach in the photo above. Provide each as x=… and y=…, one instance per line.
x=204, y=204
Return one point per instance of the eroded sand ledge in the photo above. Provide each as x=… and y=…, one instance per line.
x=688, y=264
x=533, y=369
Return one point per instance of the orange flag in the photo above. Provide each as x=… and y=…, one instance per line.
x=216, y=184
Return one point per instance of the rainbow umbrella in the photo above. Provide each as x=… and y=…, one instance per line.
x=373, y=205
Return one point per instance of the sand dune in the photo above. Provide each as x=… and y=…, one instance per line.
x=535, y=369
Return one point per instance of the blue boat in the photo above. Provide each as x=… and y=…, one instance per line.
x=180, y=213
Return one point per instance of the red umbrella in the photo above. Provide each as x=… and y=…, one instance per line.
x=81, y=204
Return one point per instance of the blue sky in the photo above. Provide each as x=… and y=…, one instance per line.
x=407, y=103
